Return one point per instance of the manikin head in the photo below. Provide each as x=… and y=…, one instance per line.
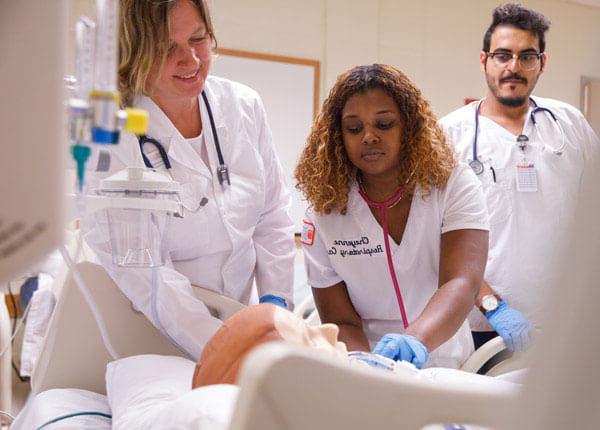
x=250, y=327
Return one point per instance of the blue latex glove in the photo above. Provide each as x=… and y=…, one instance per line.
x=512, y=326
x=402, y=347
x=276, y=300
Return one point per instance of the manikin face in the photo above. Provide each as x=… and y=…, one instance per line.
x=188, y=58
x=224, y=354
x=322, y=338
x=510, y=84
x=372, y=133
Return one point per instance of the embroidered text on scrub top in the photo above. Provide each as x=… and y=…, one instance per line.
x=354, y=247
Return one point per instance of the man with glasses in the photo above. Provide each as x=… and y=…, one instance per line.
x=530, y=154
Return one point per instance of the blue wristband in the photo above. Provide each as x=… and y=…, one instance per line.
x=276, y=300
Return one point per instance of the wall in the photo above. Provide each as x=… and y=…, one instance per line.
x=436, y=42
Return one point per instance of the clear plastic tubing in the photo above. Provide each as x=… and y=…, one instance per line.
x=107, y=20
x=373, y=360
x=85, y=33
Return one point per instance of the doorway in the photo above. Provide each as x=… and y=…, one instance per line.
x=590, y=101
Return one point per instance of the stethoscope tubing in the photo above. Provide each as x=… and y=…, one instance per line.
x=383, y=207
x=222, y=170
x=477, y=165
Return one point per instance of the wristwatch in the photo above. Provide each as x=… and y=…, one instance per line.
x=489, y=303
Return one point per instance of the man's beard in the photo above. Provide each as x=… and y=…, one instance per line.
x=512, y=101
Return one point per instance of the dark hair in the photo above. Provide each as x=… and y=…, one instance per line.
x=519, y=17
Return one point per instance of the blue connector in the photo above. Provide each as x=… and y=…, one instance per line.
x=106, y=137
x=80, y=153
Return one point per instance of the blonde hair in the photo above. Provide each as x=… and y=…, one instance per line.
x=324, y=172
x=144, y=40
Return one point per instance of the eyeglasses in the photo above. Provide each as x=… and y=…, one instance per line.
x=527, y=60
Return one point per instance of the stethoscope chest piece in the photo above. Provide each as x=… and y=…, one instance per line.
x=476, y=166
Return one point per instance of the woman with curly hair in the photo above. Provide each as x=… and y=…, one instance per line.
x=396, y=236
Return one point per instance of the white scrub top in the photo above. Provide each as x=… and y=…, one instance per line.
x=351, y=248
x=529, y=231
x=243, y=232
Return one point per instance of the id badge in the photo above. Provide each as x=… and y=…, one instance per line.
x=526, y=177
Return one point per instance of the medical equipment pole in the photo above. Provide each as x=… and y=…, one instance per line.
x=79, y=107
x=95, y=114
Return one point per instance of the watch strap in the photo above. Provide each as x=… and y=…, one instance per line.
x=482, y=309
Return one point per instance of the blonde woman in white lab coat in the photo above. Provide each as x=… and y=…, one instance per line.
x=236, y=227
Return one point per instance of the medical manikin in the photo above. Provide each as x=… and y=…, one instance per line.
x=213, y=397
x=250, y=327
x=255, y=325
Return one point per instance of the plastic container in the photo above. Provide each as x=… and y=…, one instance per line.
x=142, y=202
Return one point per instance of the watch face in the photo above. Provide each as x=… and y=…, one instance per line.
x=489, y=302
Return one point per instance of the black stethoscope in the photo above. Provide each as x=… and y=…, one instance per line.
x=477, y=165
x=222, y=169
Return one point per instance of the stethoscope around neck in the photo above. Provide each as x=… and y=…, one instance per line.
x=477, y=165
x=222, y=169
x=383, y=207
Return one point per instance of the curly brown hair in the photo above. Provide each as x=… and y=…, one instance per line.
x=324, y=172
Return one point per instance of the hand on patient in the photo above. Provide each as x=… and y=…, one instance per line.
x=402, y=347
x=512, y=326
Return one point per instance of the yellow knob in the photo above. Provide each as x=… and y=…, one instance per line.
x=110, y=95
x=137, y=121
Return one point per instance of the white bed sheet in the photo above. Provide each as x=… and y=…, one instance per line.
x=145, y=392
x=62, y=401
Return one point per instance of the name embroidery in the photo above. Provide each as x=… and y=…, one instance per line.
x=354, y=247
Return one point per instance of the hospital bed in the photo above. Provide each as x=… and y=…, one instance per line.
x=73, y=354
x=349, y=398
x=340, y=397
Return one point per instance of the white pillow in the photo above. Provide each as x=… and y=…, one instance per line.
x=40, y=310
x=154, y=392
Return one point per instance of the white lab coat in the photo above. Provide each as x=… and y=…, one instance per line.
x=243, y=232
x=351, y=248
x=529, y=232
